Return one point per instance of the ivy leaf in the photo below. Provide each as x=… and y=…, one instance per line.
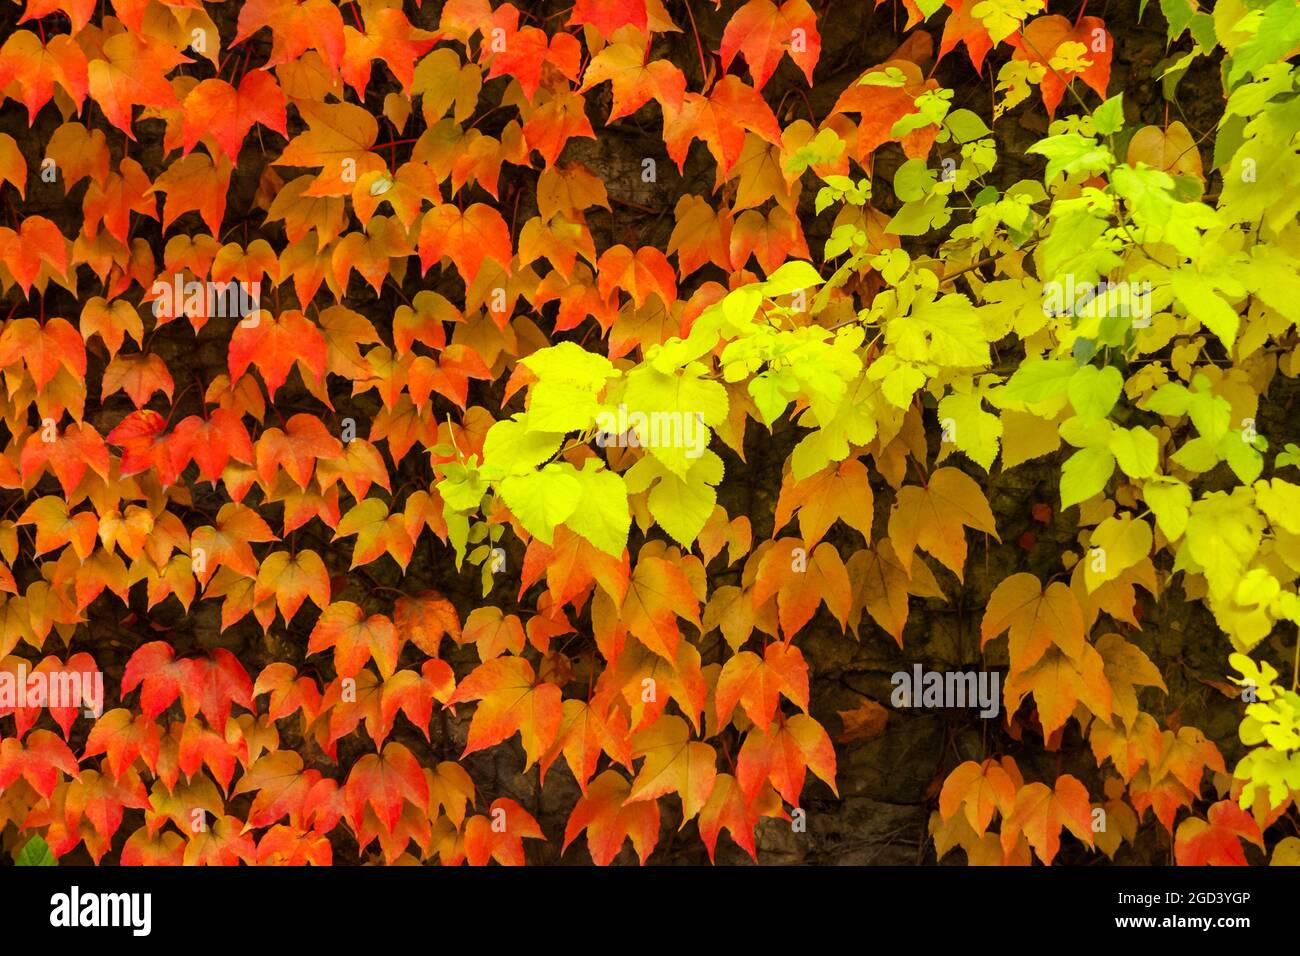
x=385, y=782
x=763, y=33
x=756, y=683
x=511, y=700
x=291, y=579
x=609, y=818
x=1040, y=813
x=801, y=582
x=727, y=808
x=1216, y=841
x=39, y=760
x=38, y=65
x=36, y=852
x=355, y=639
x=606, y=16
x=1036, y=617
x=1085, y=473
x=782, y=754
x=1117, y=544
x=543, y=499
x=227, y=113
x=467, y=238
x=721, y=120
x=673, y=764
x=658, y=593
x=934, y=517
x=337, y=142
x=980, y=790
x=132, y=72
x=634, y=80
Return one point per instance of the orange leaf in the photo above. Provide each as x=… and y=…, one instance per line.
x=466, y=238
x=782, y=754
x=1043, y=36
x=1216, y=841
x=511, y=700
x=1040, y=812
x=133, y=73
x=355, y=639
x=1037, y=619
x=385, y=782
x=762, y=33
x=274, y=345
x=609, y=818
x=934, y=517
x=757, y=683
x=216, y=108
x=673, y=764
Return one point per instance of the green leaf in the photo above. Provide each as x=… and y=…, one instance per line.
x=1246, y=463
x=913, y=180
x=1199, y=297
x=966, y=126
x=1276, y=33
x=569, y=378
x=1085, y=474
x=890, y=76
x=543, y=499
x=603, y=516
x=1040, y=379
x=972, y=429
x=36, y=853
x=854, y=421
x=826, y=147
x=1289, y=455
x=919, y=217
x=1136, y=450
x=681, y=505
x=1093, y=391
x=1203, y=33
x=1109, y=117
x=1077, y=244
x=771, y=393
x=570, y=363
x=946, y=331
x=515, y=445
x=1071, y=153
x=1172, y=400
x=1169, y=500
x=666, y=409
x=790, y=277
x=1179, y=14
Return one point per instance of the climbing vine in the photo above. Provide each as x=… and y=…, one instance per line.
x=388, y=387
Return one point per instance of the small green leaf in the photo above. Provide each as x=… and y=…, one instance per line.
x=1037, y=381
x=913, y=180
x=36, y=853
x=1136, y=450
x=966, y=126
x=1085, y=474
x=1109, y=117
x=1093, y=391
x=1071, y=153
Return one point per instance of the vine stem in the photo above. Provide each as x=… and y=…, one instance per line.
x=699, y=47
x=1295, y=667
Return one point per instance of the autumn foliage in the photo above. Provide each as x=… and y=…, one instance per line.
x=444, y=427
